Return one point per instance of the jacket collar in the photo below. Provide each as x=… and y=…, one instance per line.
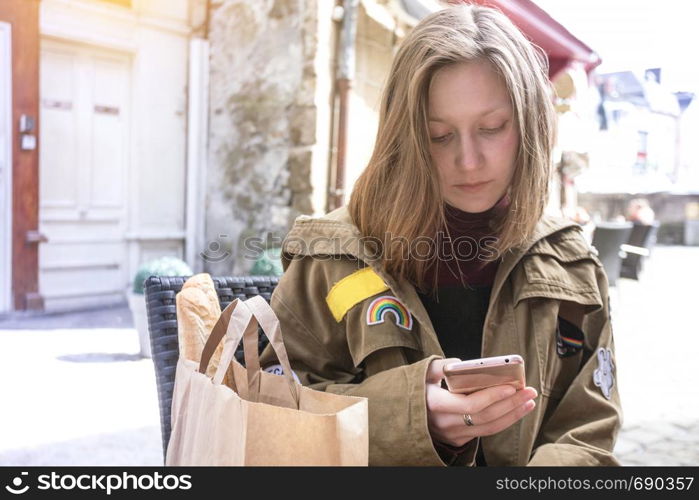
x=335, y=234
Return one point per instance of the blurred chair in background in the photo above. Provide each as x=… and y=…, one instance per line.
x=639, y=245
x=608, y=239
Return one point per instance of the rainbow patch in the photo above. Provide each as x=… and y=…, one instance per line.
x=376, y=314
x=571, y=341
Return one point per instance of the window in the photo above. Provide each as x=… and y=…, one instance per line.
x=641, y=153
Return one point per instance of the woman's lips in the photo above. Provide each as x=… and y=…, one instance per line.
x=472, y=187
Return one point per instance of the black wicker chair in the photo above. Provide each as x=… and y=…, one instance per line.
x=160, y=294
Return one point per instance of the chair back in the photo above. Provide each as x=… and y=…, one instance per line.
x=160, y=294
x=607, y=239
x=643, y=236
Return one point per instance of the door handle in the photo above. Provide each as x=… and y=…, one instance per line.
x=36, y=237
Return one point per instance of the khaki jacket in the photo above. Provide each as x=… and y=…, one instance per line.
x=329, y=304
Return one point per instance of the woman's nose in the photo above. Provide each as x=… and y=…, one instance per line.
x=468, y=155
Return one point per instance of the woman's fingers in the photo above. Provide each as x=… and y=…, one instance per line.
x=435, y=370
x=506, y=420
x=447, y=402
x=453, y=430
x=491, y=410
x=500, y=408
x=490, y=414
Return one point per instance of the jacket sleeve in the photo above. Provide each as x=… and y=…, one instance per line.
x=318, y=349
x=582, y=428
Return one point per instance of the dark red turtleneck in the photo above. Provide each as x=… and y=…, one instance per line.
x=466, y=247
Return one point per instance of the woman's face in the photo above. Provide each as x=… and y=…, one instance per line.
x=473, y=137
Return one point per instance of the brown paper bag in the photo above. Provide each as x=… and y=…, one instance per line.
x=265, y=419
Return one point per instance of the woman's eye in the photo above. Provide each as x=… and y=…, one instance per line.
x=493, y=130
x=441, y=138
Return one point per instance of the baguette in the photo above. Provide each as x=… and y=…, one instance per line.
x=198, y=309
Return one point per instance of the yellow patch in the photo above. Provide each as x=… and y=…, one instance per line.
x=352, y=289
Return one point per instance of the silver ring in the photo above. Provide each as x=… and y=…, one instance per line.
x=467, y=419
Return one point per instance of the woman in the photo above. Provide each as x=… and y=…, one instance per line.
x=444, y=252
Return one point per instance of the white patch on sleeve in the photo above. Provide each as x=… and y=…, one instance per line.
x=603, y=376
x=279, y=370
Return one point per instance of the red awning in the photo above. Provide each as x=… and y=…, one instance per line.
x=562, y=48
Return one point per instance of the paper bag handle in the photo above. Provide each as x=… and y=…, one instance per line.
x=217, y=334
x=264, y=313
x=239, y=320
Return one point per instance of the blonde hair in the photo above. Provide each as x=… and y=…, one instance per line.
x=400, y=171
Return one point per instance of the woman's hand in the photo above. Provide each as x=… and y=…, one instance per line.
x=491, y=410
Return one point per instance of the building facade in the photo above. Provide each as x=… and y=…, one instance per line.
x=198, y=129
x=99, y=141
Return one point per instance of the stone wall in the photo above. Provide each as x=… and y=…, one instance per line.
x=262, y=124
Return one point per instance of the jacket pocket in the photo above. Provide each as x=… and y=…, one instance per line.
x=561, y=267
x=558, y=273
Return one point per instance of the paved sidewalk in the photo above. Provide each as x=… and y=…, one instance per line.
x=655, y=332
x=75, y=391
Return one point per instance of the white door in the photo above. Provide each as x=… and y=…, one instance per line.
x=5, y=168
x=84, y=155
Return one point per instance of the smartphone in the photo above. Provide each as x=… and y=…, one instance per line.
x=465, y=377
